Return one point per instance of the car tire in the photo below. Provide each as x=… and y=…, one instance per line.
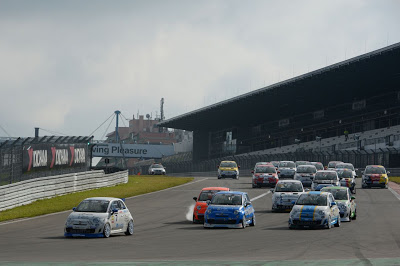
x=292, y=227
x=254, y=186
x=107, y=230
x=253, y=221
x=329, y=225
x=219, y=177
x=355, y=215
x=350, y=217
x=243, y=223
x=337, y=224
x=237, y=177
x=129, y=229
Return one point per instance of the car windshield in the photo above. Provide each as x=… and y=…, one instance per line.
x=288, y=187
x=312, y=199
x=342, y=173
x=318, y=166
x=227, y=199
x=306, y=169
x=207, y=195
x=325, y=176
x=301, y=163
x=375, y=170
x=332, y=164
x=93, y=206
x=228, y=164
x=157, y=166
x=287, y=164
x=338, y=194
x=265, y=169
x=345, y=166
x=275, y=164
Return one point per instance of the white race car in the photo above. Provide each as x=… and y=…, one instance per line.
x=284, y=195
x=99, y=217
x=315, y=209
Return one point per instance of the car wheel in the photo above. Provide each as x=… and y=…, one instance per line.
x=350, y=217
x=355, y=215
x=244, y=223
x=219, y=177
x=237, y=177
x=107, y=230
x=337, y=224
x=129, y=229
x=292, y=227
x=253, y=221
x=254, y=186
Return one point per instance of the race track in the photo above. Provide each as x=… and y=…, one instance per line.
x=162, y=233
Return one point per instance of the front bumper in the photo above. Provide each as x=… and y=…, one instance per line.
x=69, y=231
x=308, y=222
x=211, y=223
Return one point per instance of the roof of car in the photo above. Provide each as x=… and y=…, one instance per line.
x=334, y=187
x=374, y=166
x=231, y=192
x=317, y=193
x=102, y=198
x=289, y=181
x=228, y=162
x=327, y=171
x=216, y=188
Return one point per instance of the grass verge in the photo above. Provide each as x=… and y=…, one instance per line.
x=395, y=179
x=136, y=185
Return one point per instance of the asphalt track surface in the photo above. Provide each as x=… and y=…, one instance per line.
x=163, y=234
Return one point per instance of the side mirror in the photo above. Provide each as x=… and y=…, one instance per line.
x=362, y=172
x=272, y=190
x=333, y=203
x=248, y=203
x=114, y=211
x=388, y=172
x=279, y=172
x=195, y=198
x=217, y=166
x=74, y=208
x=252, y=171
x=238, y=166
x=307, y=189
x=208, y=202
x=293, y=202
x=353, y=198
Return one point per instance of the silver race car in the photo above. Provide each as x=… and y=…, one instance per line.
x=284, y=195
x=99, y=217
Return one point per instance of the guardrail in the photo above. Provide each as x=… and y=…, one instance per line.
x=28, y=191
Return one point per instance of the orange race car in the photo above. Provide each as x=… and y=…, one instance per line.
x=201, y=202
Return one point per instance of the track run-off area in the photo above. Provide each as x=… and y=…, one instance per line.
x=163, y=233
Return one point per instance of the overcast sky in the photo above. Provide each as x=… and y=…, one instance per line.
x=66, y=66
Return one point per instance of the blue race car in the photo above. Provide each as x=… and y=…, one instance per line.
x=315, y=209
x=231, y=209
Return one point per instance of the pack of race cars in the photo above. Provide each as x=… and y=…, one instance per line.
x=329, y=202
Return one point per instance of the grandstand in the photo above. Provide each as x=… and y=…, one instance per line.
x=308, y=113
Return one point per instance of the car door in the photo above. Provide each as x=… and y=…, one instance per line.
x=249, y=208
x=334, y=208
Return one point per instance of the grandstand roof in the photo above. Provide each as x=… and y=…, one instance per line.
x=347, y=81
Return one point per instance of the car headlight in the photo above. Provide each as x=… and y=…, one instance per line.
x=69, y=221
x=209, y=211
x=198, y=207
x=236, y=212
x=96, y=220
x=294, y=213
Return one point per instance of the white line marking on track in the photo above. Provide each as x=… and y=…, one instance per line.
x=394, y=193
x=50, y=214
x=260, y=196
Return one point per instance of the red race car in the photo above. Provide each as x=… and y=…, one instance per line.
x=201, y=202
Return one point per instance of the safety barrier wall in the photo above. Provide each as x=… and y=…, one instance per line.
x=27, y=191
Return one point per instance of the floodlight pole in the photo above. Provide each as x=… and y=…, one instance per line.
x=117, y=113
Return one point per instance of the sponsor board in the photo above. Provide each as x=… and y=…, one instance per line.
x=132, y=150
x=39, y=157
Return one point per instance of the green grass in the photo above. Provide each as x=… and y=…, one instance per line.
x=395, y=179
x=136, y=185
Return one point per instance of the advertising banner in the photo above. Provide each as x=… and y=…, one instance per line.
x=47, y=156
x=145, y=151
